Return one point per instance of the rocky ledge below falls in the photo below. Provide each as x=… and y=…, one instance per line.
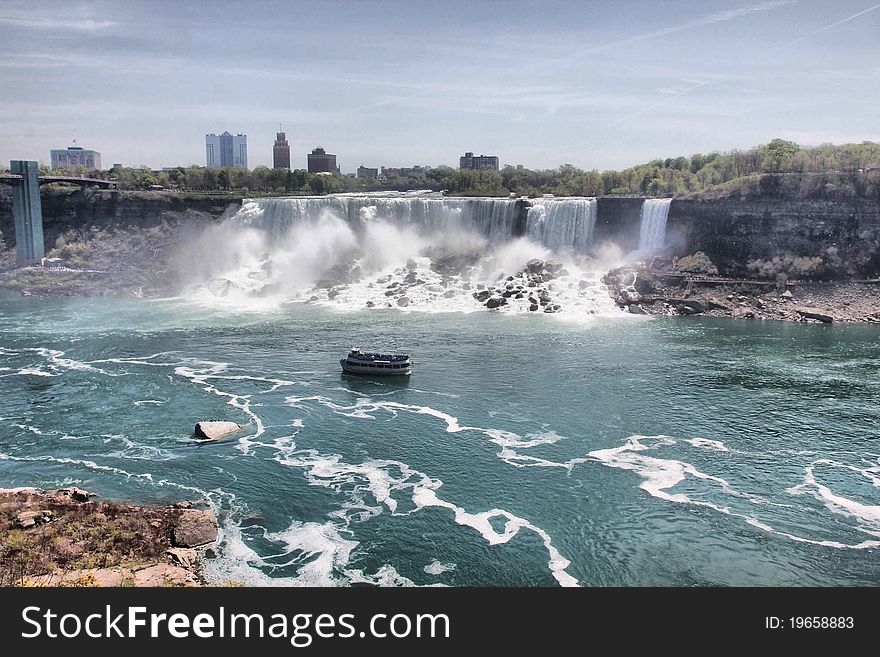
x=66, y=538
x=657, y=289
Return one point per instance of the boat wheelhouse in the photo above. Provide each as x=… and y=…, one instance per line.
x=364, y=362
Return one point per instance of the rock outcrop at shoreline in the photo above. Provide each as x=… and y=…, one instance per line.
x=656, y=288
x=65, y=538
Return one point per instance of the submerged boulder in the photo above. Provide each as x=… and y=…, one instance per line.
x=213, y=430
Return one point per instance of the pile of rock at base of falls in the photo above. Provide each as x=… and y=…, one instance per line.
x=527, y=286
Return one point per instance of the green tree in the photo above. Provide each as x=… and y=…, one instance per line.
x=778, y=154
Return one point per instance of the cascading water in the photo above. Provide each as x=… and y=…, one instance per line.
x=495, y=219
x=424, y=252
x=563, y=224
x=652, y=235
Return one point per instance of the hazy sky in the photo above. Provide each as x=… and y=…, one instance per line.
x=540, y=83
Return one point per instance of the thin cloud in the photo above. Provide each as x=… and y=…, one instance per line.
x=826, y=28
x=709, y=19
x=76, y=24
x=666, y=99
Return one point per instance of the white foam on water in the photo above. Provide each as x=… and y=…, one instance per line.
x=58, y=362
x=365, y=407
x=437, y=567
x=659, y=475
x=868, y=514
x=386, y=576
x=319, y=547
x=149, y=402
x=427, y=497
x=29, y=371
x=386, y=480
x=707, y=443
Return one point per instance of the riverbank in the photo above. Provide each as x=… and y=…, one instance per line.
x=66, y=538
x=657, y=289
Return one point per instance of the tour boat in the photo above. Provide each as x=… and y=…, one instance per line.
x=361, y=362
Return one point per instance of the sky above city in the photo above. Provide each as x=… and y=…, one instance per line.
x=600, y=85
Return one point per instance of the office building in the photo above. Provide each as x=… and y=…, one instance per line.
x=367, y=172
x=475, y=162
x=226, y=150
x=403, y=172
x=75, y=156
x=320, y=161
x=281, y=152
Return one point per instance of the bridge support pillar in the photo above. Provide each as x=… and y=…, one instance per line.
x=28, y=212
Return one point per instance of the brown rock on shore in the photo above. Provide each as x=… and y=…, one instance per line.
x=195, y=528
x=61, y=538
x=712, y=296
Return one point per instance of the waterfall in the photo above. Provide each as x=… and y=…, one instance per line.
x=563, y=224
x=652, y=236
x=400, y=251
x=495, y=219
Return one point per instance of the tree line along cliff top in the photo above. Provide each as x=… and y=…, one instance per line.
x=778, y=169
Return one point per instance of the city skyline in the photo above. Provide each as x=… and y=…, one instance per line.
x=593, y=84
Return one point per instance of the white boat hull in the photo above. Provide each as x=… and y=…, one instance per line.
x=376, y=369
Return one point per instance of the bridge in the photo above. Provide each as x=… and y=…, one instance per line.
x=15, y=179
x=26, y=206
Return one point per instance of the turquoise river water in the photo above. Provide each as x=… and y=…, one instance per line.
x=522, y=451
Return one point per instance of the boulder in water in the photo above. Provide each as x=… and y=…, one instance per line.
x=495, y=302
x=214, y=430
x=533, y=307
x=554, y=266
x=403, y=302
x=482, y=295
x=535, y=265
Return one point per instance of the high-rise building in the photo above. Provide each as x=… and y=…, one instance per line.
x=320, y=161
x=226, y=150
x=471, y=161
x=367, y=172
x=281, y=152
x=75, y=156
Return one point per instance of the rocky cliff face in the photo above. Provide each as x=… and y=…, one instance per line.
x=843, y=234
x=109, y=243
x=618, y=220
x=65, y=208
